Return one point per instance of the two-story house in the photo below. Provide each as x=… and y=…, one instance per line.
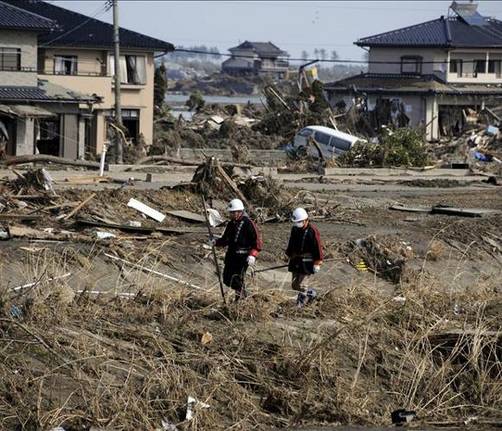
x=433, y=72
x=257, y=58
x=36, y=116
x=78, y=54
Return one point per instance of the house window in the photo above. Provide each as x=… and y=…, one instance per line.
x=10, y=59
x=495, y=67
x=479, y=67
x=411, y=64
x=65, y=64
x=132, y=69
x=456, y=67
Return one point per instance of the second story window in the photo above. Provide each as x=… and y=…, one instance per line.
x=132, y=69
x=10, y=59
x=65, y=64
x=494, y=66
x=479, y=67
x=456, y=67
x=411, y=64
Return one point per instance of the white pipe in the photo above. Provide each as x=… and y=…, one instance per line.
x=24, y=286
x=102, y=161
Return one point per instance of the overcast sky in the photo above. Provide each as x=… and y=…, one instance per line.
x=294, y=26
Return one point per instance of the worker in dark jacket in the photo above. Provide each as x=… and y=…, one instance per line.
x=304, y=253
x=244, y=243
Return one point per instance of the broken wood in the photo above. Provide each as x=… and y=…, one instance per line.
x=143, y=229
x=79, y=207
x=183, y=162
x=36, y=158
x=152, y=271
x=187, y=215
x=231, y=184
x=19, y=217
x=30, y=233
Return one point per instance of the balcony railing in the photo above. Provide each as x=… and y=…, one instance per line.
x=17, y=69
x=91, y=74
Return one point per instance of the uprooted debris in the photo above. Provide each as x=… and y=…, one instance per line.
x=385, y=260
x=266, y=365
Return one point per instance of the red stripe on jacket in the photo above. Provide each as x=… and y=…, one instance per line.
x=259, y=243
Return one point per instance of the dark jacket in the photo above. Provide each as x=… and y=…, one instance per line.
x=241, y=237
x=304, y=249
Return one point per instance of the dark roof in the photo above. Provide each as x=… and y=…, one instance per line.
x=44, y=92
x=443, y=32
x=237, y=63
x=11, y=17
x=373, y=83
x=263, y=49
x=75, y=29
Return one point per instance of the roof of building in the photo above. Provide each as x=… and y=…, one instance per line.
x=12, y=17
x=373, y=83
x=263, y=49
x=452, y=32
x=237, y=63
x=44, y=92
x=76, y=29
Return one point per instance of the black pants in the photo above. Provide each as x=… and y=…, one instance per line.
x=234, y=272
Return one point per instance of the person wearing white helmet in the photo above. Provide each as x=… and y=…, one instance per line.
x=243, y=242
x=304, y=253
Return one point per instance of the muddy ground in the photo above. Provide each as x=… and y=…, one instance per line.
x=265, y=363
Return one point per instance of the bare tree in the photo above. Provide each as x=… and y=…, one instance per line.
x=305, y=55
x=334, y=55
x=323, y=54
x=316, y=53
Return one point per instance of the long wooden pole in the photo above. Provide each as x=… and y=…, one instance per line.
x=213, y=248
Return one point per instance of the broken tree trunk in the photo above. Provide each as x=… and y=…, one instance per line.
x=176, y=161
x=17, y=160
x=231, y=184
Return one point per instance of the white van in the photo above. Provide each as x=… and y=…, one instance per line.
x=331, y=141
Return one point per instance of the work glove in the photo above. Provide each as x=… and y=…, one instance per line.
x=317, y=268
x=251, y=260
x=211, y=242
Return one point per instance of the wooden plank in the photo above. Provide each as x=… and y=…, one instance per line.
x=79, y=207
x=463, y=212
x=144, y=229
x=410, y=209
x=19, y=217
x=231, y=184
x=187, y=215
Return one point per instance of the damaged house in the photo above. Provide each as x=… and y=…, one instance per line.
x=257, y=58
x=435, y=74
x=75, y=52
x=36, y=116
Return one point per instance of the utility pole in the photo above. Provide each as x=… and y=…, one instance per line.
x=119, y=154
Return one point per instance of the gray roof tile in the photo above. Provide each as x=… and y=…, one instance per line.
x=12, y=17
x=442, y=32
x=85, y=31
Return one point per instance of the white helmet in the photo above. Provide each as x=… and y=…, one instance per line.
x=299, y=214
x=235, y=205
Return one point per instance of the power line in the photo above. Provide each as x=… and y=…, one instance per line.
x=341, y=61
x=101, y=10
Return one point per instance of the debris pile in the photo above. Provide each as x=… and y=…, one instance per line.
x=180, y=361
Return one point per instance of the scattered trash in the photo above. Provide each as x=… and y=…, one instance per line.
x=15, y=312
x=206, y=338
x=105, y=235
x=134, y=223
x=168, y=426
x=215, y=219
x=145, y=209
x=401, y=416
x=192, y=404
x=399, y=299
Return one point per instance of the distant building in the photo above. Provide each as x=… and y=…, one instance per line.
x=432, y=72
x=257, y=58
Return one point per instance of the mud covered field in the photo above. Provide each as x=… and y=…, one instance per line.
x=89, y=340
